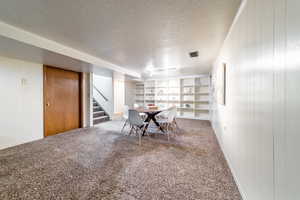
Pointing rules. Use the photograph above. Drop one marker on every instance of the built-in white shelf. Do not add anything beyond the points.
(191, 95)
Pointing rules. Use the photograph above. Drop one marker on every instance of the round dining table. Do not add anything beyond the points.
(151, 113)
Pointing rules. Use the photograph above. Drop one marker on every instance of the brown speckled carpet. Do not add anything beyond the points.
(101, 163)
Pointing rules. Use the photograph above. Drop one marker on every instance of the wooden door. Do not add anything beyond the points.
(61, 100)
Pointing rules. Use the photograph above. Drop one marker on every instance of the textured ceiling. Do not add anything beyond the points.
(130, 33)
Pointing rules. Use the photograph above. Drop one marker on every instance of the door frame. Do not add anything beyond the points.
(80, 95)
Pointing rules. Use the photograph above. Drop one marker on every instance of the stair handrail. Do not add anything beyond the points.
(105, 98)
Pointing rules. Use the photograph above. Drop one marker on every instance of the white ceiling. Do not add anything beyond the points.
(130, 33)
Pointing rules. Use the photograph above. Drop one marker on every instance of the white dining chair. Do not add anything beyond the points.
(169, 122)
(125, 116)
(164, 114)
(175, 122)
(174, 110)
(137, 123)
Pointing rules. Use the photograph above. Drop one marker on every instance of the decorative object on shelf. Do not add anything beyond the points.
(187, 105)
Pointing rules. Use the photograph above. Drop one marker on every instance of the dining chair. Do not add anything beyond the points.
(143, 115)
(125, 116)
(175, 122)
(137, 123)
(164, 114)
(174, 110)
(168, 123)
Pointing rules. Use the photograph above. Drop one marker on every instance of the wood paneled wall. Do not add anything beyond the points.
(259, 126)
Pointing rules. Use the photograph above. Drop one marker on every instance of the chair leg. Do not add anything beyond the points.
(140, 132)
(124, 125)
(131, 129)
(134, 129)
(174, 129)
(144, 129)
(176, 126)
(168, 131)
(140, 138)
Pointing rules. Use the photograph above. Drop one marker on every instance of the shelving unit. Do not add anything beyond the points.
(149, 92)
(140, 94)
(191, 95)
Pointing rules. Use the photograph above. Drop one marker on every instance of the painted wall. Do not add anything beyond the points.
(103, 80)
(129, 93)
(87, 99)
(258, 128)
(119, 92)
(21, 102)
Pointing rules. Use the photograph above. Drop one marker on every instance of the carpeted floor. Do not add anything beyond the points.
(101, 163)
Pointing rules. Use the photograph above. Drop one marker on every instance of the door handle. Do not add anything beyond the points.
(47, 104)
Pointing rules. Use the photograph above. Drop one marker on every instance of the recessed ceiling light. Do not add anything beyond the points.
(157, 70)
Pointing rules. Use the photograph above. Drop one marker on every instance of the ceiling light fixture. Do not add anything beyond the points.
(159, 70)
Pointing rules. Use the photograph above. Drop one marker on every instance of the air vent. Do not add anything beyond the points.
(194, 54)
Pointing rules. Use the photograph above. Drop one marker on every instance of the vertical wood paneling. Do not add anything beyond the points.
(262, 141)
(292, 101)
(279, 97)
(245, 124)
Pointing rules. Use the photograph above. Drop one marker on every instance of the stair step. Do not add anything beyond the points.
(97, 108)
(102, 117)
(98, 114)
(98, 120)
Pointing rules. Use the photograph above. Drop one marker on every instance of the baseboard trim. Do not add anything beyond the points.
(230, 165)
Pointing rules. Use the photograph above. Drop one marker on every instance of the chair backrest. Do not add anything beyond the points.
(174, 108)
(125, 113)
(163, 114)
(134, 118)
(172, 112)
(166, 112)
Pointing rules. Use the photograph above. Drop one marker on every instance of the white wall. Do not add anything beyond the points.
(259, 127)
(104, 82)
(288, 163)
(21, 102)
(129, 93)
(87, 99)
(119, 92)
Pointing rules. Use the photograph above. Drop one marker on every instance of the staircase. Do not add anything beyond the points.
(99, 115)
